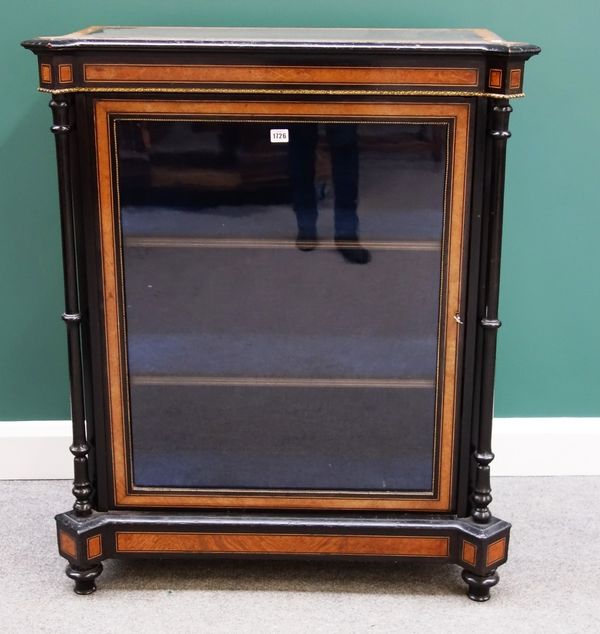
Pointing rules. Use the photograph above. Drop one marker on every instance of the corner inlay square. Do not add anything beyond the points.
(46, 73)
(65, 73)
(469, 553)
(67, 544)
(496, 551)
(515, 78)
(495, 79)
(94, 546)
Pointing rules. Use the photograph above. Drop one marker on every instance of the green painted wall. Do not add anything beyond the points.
(549, 347)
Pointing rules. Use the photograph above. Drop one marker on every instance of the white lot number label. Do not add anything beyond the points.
(280, 136)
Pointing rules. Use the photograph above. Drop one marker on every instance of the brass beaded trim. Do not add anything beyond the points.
(285, 91)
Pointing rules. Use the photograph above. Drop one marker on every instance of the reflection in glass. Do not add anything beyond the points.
(343, 149)
(254, 364)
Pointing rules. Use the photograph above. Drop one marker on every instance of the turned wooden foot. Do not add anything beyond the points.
(84, 578)
(479, 586)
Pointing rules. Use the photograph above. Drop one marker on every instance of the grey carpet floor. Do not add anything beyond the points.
(550, 583)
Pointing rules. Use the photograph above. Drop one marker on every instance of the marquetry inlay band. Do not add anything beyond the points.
(282, 544)
(496, 551)
(195, 73)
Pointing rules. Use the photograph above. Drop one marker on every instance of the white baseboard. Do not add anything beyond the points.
(39, 450)
(546, 446)
(35, 450)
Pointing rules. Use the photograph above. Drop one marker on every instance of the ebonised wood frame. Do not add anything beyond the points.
(465, 82)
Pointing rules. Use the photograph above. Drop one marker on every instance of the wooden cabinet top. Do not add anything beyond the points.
(409, 40)
(389, 62)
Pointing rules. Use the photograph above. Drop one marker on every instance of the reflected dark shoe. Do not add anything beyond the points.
(352, 251)
(307, 240)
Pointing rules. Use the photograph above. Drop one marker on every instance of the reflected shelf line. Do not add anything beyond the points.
(218, 243)
(165, 380)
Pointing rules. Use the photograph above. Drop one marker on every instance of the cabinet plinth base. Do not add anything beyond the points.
(86, 541)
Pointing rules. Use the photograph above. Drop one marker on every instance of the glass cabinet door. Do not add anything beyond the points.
(285, 292)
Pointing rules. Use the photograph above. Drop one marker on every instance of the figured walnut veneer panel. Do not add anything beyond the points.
(161, 73)
(496, 552)
(125, 493)
(67, 544)
(384, 545)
